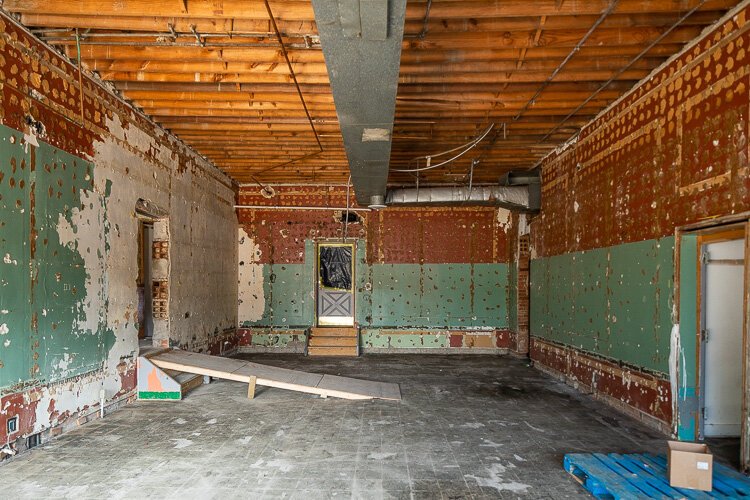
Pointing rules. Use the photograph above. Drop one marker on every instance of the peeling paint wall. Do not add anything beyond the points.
(674, 151)
(251, 295)
(69, 238)
(424, 277)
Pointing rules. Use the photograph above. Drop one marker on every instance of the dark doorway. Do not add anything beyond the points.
(145, 311)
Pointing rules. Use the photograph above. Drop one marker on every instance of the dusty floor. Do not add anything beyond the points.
(468, 427)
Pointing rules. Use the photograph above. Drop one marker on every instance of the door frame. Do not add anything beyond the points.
(685, 357)
(161, 272)
(316, 282)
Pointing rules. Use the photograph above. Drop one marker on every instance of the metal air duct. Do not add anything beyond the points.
(532, 179)
(515, 197)
(361, 42)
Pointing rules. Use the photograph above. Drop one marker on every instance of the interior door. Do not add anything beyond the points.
(335, 284)
(722, 338)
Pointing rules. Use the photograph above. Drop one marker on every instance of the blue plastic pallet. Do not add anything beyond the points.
(617, 476)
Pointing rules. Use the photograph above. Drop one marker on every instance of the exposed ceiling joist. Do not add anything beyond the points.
(464, 65)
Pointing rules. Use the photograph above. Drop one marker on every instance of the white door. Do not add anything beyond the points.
(722, 303)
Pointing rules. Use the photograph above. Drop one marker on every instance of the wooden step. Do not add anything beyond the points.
(187, 381)
(191, 384)
(332, 351)
(319, 341)
(333, 332)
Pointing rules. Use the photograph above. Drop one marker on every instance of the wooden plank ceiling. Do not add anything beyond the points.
(213, 72)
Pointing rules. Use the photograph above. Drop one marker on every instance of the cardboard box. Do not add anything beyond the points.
(690, 465)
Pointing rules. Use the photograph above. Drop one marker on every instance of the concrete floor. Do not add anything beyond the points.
(468, 427)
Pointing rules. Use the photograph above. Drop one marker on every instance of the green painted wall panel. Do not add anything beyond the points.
(614, 301)
(395, 295)
(381, 339)
(15, 315)
(71, 342)
(556, 295)
(288, 295)
(274, 340)
(447, 296)
(512, 300)
(539, 274)
(641, 286)
(292, 304)
(439, 295)
(588, 328)
(362, 284)
(54, 291)
(490, 303)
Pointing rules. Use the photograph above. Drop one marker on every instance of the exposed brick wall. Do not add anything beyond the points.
(281, 234)
(673, 151)
(437, 235)
(522, 298)
(394, 236)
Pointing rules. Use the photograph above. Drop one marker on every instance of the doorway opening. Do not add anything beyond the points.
(152, 281)
(721, 338)
(335, 284)
(145, 297)
(722, 261)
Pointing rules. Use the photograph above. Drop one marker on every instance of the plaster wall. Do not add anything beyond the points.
(70, 177)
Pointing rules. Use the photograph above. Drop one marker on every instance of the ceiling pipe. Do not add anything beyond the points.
(517, 190)
(573, 52)
(282, 207)
(512, 197)
(532, 182)
(622, 70)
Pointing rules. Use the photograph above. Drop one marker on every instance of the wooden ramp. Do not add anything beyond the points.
(271, 376)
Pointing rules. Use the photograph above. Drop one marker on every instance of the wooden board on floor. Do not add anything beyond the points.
(273, 376)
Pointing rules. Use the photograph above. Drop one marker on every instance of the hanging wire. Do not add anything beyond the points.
(465, 149)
